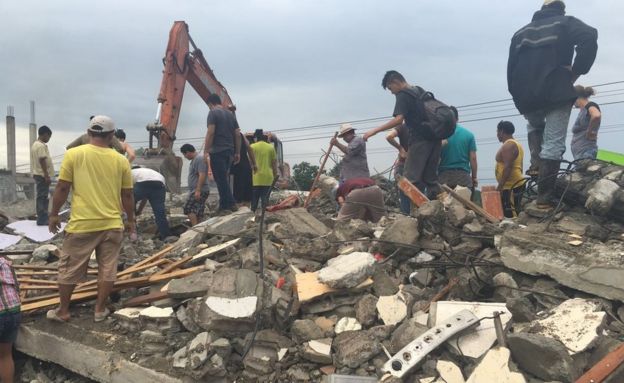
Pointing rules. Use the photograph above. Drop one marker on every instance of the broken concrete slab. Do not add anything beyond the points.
(404, 230)
(602, 196)
(318, 351)
(449, 372)
(366, 310)
(299, 223)
(495, 368)
(480, 340)
(347, 324)
(306, 329)
(128, 318)
(233, 308)
(230, 224)
(347, 270)
(544, 357)
(309, 287)
(595, 268)
(227, 247)
(102, 364)
(406, 332)
(159, 319)
(195, 285)
(392, 309)
(575, 323)
(354, 348)
(44, 252)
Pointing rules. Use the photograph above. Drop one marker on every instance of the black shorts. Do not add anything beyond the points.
(9, 324)
(194, 206)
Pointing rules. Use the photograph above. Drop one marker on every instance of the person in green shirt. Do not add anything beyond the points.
(264, 169)
(458, 159)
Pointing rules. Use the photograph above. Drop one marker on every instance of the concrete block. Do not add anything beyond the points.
(212, 251)
(546, 358)
(495, 368)
(128, 318)
(354, 348)
(403, 230)
(575, 323)
(159, 319)
(392, 309)
(305, 329)
(365, 310)
(480, 340)
(347, 271)
(602, 196)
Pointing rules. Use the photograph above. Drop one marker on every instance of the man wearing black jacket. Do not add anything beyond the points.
(541, 72)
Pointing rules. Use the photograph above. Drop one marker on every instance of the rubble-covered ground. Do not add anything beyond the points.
(334, 297)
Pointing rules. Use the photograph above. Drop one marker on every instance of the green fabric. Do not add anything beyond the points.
(606, 155)
(265, 155)
(456, 154)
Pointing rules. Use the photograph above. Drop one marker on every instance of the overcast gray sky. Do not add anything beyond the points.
(286, 64)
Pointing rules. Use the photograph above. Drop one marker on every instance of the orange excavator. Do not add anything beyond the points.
(182, 65)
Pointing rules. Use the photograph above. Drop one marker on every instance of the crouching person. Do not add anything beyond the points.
(360, 198)
(9, 319)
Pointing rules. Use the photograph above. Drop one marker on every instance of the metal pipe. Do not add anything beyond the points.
(500, 333)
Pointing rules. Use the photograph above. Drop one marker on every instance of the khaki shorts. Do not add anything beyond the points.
(77, 248)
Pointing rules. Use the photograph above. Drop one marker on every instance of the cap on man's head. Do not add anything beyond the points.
(345, 128)
(101, 124)
(258, 133)
(549, 2)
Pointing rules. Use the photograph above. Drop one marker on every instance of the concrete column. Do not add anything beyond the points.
(10, 126)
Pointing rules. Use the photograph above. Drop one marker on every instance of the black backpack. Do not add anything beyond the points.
(438, 120)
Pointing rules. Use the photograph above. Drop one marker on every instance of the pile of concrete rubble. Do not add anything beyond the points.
(439, 296)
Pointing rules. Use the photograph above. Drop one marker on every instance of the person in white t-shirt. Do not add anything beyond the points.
(149, 185)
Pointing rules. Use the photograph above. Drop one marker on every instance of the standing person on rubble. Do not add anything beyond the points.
(354, 164)
(541, 72)
(585, 130)
(402, 134)
(127, 148)
(149, 185)
(423, 155)
(511, 183)
(458, 158)
(84, 139)
(265, 169)
(42, 171)
(360, 198)
(222, 146)
(10, 318)
(99, 178)
(198, 186)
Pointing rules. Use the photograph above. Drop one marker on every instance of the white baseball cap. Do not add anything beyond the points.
(101, 124)
(548, 2)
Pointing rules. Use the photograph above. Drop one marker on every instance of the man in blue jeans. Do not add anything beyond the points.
(222, 146)
(541, 72)
(149, 185)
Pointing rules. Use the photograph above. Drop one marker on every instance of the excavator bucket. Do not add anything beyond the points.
(166, 163)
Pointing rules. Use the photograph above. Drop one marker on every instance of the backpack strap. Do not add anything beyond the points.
(419, 95)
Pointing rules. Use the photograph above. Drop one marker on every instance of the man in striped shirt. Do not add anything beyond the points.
(9, 319)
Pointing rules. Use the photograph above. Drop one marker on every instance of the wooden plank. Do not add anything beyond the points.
(492, 203)
(34, 267)
(320, 171)
(124, 273)
(145, 299)
(174, 265)
(309, 287)
(470, 205)
(412, 192)
(39, 287)
(54, 273)
(150, 259)
(36, 281)
(601, 371)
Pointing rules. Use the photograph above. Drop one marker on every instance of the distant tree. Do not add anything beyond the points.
(303, 175)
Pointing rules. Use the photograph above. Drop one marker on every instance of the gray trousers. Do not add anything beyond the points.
(42, 200)
(547, 130)
(421, 166)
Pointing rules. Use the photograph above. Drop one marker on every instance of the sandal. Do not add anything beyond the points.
(53, 316)
(99, 317)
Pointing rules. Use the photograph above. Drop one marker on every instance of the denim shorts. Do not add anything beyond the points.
(9, 324)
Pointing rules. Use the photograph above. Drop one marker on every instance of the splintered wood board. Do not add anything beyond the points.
(309, 287)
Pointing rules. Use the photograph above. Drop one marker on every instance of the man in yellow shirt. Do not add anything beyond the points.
(99, 178)
(264, 169)
(42, 171)
(511, 182)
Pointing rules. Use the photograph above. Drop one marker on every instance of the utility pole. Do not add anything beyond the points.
(32, 127)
